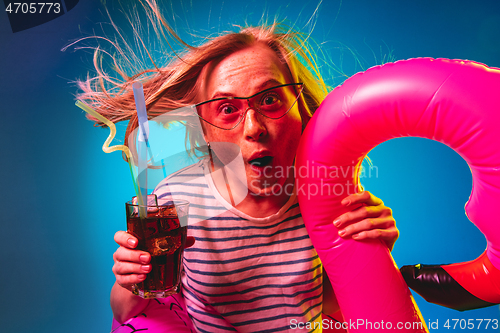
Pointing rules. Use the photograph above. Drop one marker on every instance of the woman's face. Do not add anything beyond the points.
(268, 145)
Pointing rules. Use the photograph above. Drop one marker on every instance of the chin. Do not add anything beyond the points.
(261, 192)
(275, 189)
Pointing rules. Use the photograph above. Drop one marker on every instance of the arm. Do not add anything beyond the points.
(370, 221)
(330, 303)
(131, 267)
(124, 304)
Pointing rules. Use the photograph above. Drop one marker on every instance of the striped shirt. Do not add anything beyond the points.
(244, 274)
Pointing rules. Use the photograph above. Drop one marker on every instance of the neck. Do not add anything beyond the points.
(231, 183)
(262, 206)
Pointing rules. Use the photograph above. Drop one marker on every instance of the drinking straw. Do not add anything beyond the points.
(105, 147)
(143, 144)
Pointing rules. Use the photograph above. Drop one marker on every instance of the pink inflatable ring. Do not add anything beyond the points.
(451, 101)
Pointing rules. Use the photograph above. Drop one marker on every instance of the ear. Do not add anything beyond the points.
(204, 132)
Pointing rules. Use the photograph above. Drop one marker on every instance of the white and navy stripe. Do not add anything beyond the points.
(244, 274)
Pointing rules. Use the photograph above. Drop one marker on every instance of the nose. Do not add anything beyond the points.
(253, 124)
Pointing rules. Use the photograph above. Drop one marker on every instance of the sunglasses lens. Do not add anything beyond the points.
(227, 113)
(223, 113)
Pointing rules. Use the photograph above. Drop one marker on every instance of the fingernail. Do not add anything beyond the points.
(145, 268)
(341, 233)
(355, 236)
(141, 277)
(144, 258)
(336, 222)
(346, 202)
(131, 242)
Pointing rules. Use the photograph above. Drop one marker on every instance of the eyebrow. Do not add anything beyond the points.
(266, 84)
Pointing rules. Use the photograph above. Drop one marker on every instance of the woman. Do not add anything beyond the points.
(254, 268)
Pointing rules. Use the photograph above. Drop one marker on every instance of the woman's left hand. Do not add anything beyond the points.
(373, 220)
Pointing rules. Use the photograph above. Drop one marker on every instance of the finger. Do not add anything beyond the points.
(135, 256)
(389, 236)
(358, 214)
(125, 239)
(127, 281)
(189, 241)
(382, 223)
(383, 234)
(363, 197)
(127, 268)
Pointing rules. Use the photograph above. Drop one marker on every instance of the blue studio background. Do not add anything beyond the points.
(63, 199)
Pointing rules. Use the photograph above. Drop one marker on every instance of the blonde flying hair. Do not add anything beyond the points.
(177, 84)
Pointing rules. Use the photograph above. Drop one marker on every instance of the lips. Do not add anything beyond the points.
(261, 161)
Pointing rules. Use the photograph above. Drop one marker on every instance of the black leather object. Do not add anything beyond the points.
(436, 286)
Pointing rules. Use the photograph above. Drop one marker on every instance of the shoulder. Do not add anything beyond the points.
(184, 177)
(188, 184)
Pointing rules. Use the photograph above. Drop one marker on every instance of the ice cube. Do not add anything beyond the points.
(167, 211)
(164, 246)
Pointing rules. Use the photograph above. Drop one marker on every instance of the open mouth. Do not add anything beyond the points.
(262, 161)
